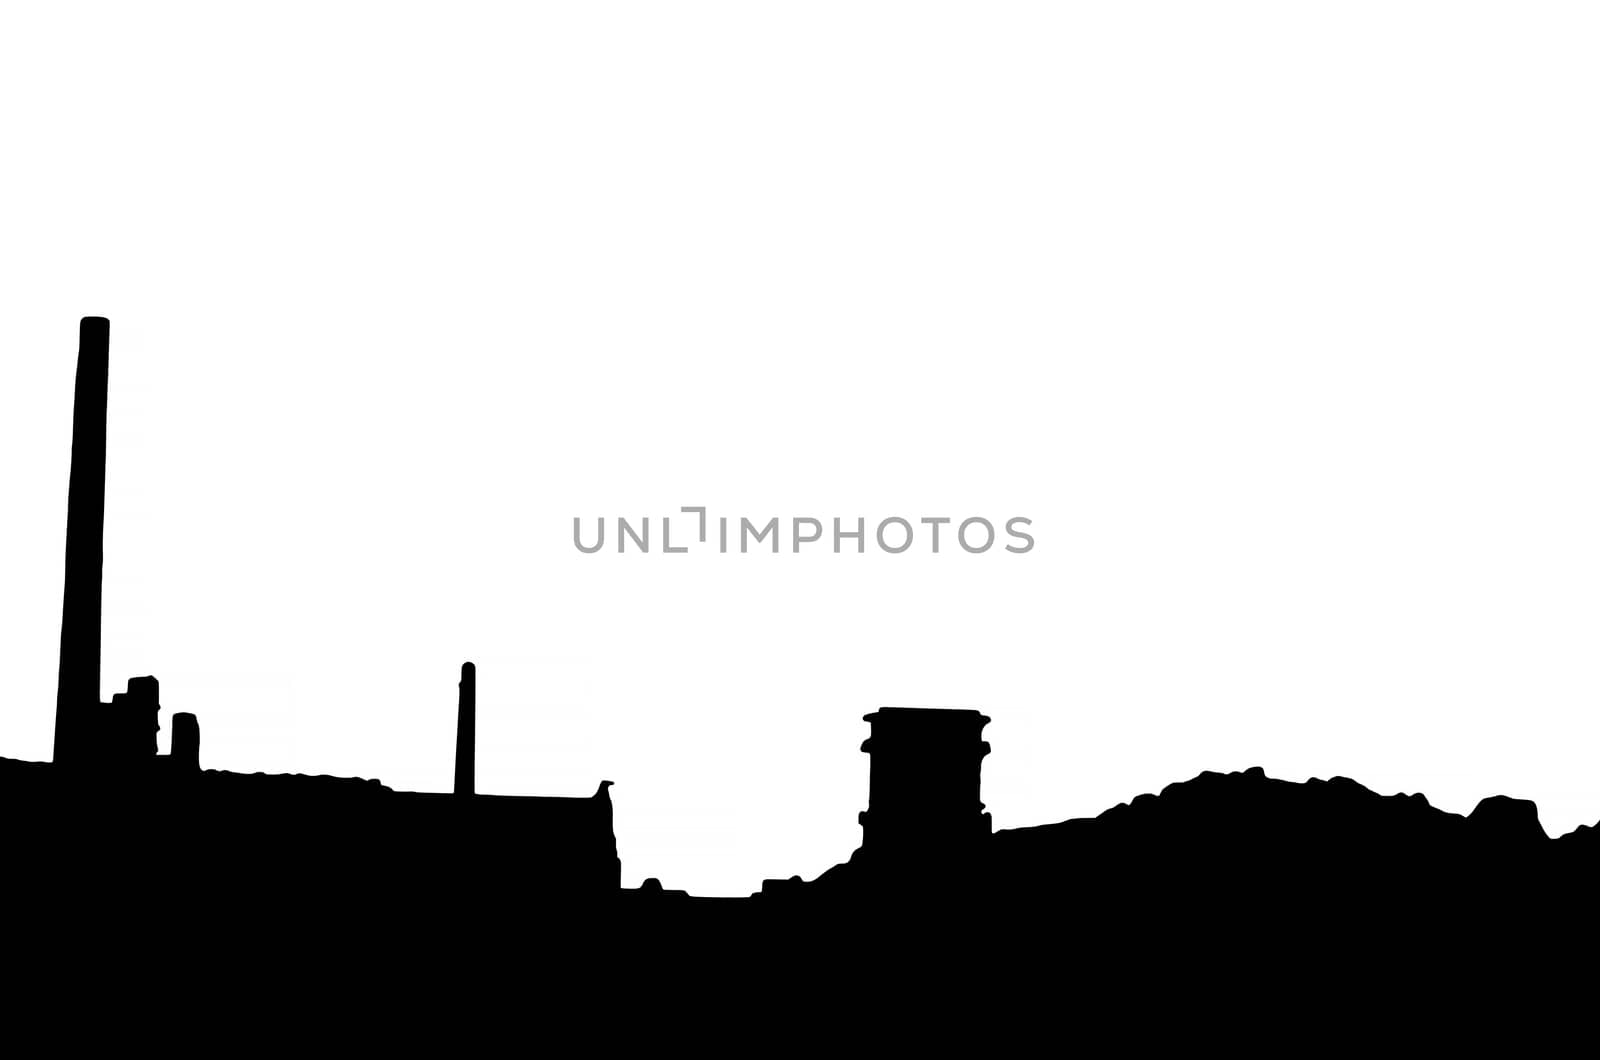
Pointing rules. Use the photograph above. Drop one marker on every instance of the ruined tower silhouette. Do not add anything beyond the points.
(925, 785)
(78, 681)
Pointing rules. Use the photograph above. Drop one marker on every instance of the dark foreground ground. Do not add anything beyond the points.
(1230, 911)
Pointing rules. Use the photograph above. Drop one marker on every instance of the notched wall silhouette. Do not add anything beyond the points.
(1255, 873)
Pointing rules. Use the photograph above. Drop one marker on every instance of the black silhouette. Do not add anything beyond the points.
(467, 731)
(925, 783)
(78, 684)
(1224, 908)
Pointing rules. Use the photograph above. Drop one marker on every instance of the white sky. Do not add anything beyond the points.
(1278, 320)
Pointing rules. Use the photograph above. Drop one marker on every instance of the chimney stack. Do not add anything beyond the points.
(466, 730)
(78, 681)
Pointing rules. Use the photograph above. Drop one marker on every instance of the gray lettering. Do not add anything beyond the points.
(623, 528)
(860, 534)
(935, 521)
(798, 539)
(666, 537)
(961, 534)
(577, 540)
(746, 526)
(1010, 523)
(884, 544)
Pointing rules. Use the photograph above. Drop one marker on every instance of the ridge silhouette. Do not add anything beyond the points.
(1295, 903)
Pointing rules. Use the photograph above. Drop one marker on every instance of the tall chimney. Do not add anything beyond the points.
(78, 682)
(466, 729)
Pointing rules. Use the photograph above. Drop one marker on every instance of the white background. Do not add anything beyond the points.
(1278, 319)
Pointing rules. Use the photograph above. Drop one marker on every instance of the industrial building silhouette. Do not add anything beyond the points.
(925, 782)
(113, 850)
